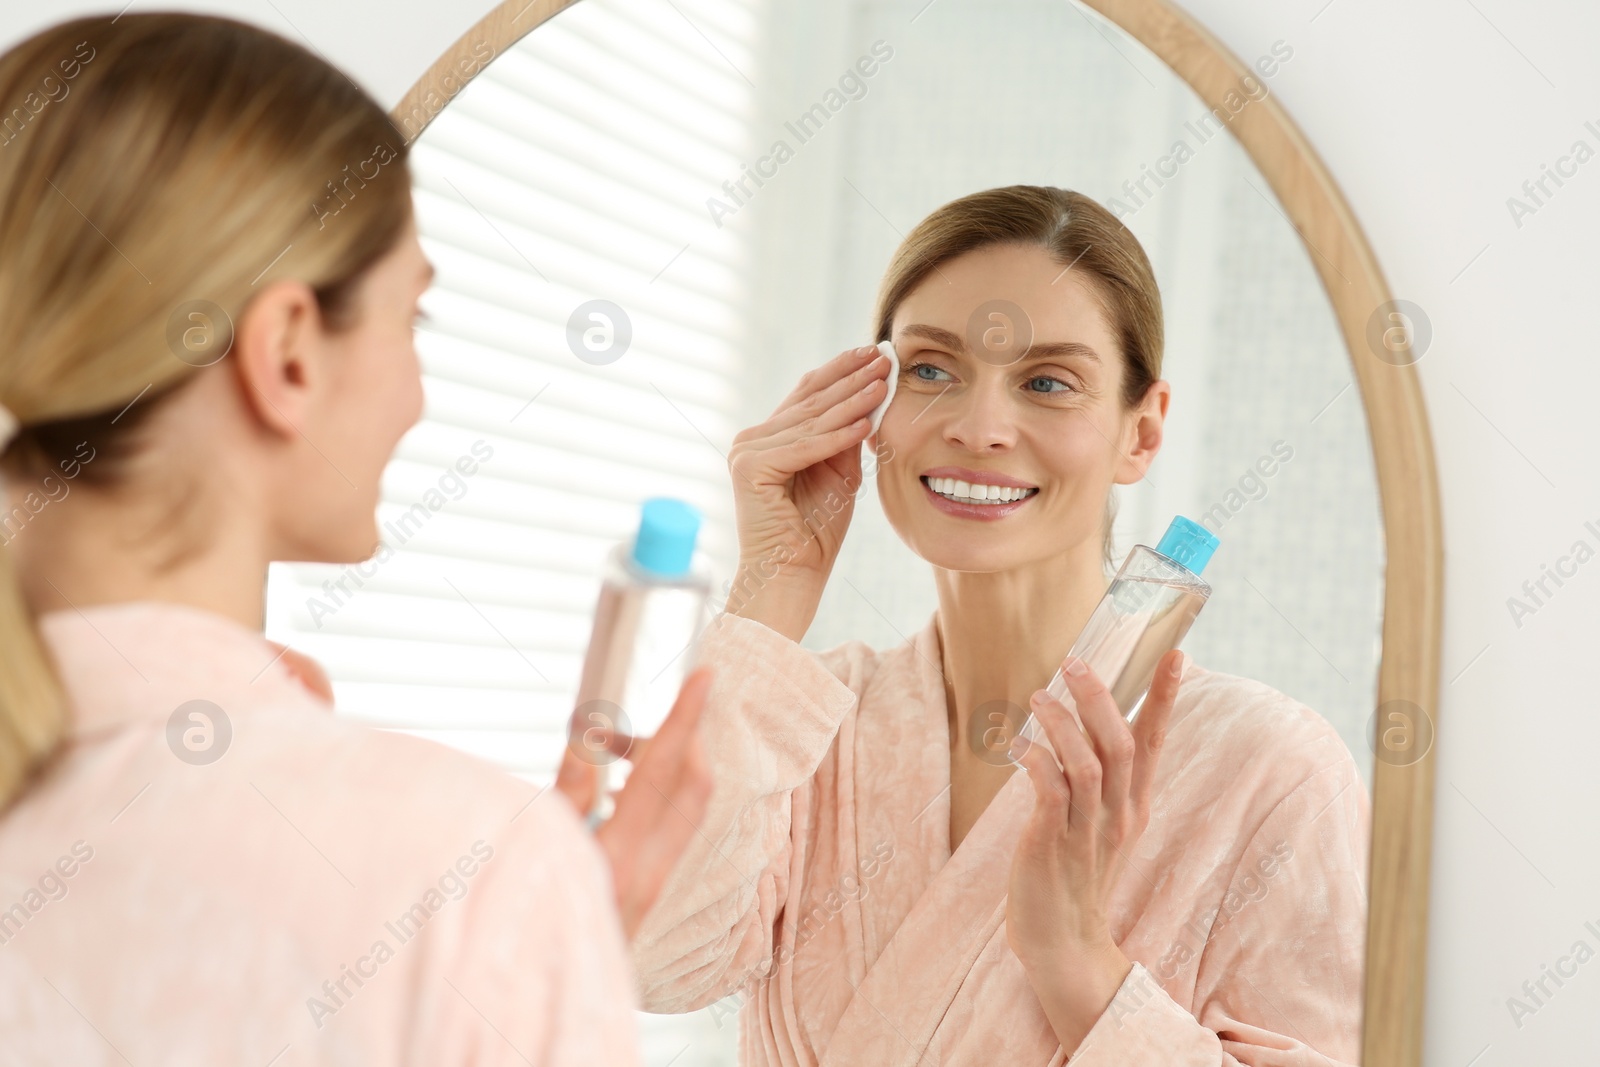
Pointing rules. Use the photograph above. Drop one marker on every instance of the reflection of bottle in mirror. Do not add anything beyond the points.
(1145, 612)
(652, 607)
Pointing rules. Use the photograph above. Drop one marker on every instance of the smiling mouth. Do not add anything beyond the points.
(963, 493)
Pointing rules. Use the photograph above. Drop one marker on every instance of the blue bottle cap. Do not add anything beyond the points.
(665, 542)
(1188, 543)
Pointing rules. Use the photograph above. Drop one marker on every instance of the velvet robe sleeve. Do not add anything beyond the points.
(773, 711)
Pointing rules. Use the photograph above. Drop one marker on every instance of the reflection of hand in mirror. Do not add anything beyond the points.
(1089, 811)
(795, 477)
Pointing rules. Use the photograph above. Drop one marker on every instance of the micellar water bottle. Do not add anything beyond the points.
(1147, 609)
(651, 610)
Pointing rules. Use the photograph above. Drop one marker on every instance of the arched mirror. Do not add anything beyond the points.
(649, 220)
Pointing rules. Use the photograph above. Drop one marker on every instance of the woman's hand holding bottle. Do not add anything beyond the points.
(795, 477)
(1089, 812)
(658, 809)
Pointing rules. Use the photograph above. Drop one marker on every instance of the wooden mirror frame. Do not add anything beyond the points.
(1402, 448)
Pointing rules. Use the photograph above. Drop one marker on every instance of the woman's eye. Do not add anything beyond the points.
(916, 369)
(1053, 381)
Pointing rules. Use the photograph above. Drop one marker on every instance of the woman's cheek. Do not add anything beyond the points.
(388, 386)
(400, 370)
(1086, 447)
(414, 391)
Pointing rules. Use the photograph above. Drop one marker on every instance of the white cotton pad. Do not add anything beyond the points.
(894, 378)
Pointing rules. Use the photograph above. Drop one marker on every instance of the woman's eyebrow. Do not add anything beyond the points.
(1038, 350)
(938, 336)
(1058, 349)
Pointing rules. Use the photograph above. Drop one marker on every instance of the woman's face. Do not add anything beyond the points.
(977, 403)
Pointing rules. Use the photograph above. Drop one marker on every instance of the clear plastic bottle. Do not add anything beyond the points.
(1149, 606)
(652, 607)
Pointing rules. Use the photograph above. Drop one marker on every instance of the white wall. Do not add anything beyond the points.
(1430, 114)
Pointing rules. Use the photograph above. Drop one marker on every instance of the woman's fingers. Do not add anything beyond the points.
(842, 375)
(840, 405)
(1108, 733)
(578, 781)
(822, 377)
(588, 748)
(692, 793)
(823, 412)
(1079, 763)
(776, 457)
(659, 808)
(806, 454)
(634, 747)
(659, 763)
(662, 760)
(656, 849)
(796, 454)
(1150, 728)
(307, 670)
(1049, 786)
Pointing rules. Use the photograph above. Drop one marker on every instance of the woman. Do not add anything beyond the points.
(199, 863)
(873, 881)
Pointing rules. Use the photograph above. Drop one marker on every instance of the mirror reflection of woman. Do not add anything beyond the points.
(871, 883)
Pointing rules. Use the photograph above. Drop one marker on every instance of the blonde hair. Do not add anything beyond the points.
(1076, 231)
(147, 163)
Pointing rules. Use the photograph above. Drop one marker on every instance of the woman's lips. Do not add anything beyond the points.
(982, 512)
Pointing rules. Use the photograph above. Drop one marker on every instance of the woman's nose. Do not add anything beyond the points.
(980, 417)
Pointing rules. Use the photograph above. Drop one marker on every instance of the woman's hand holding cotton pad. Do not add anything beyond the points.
(894, 377)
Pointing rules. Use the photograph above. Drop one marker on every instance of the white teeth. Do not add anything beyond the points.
(970, 493)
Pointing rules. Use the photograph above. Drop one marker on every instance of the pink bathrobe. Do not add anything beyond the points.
(323, 893)
(823, 896)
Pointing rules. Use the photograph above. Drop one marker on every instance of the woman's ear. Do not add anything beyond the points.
(1143, 437)
(276, 345)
